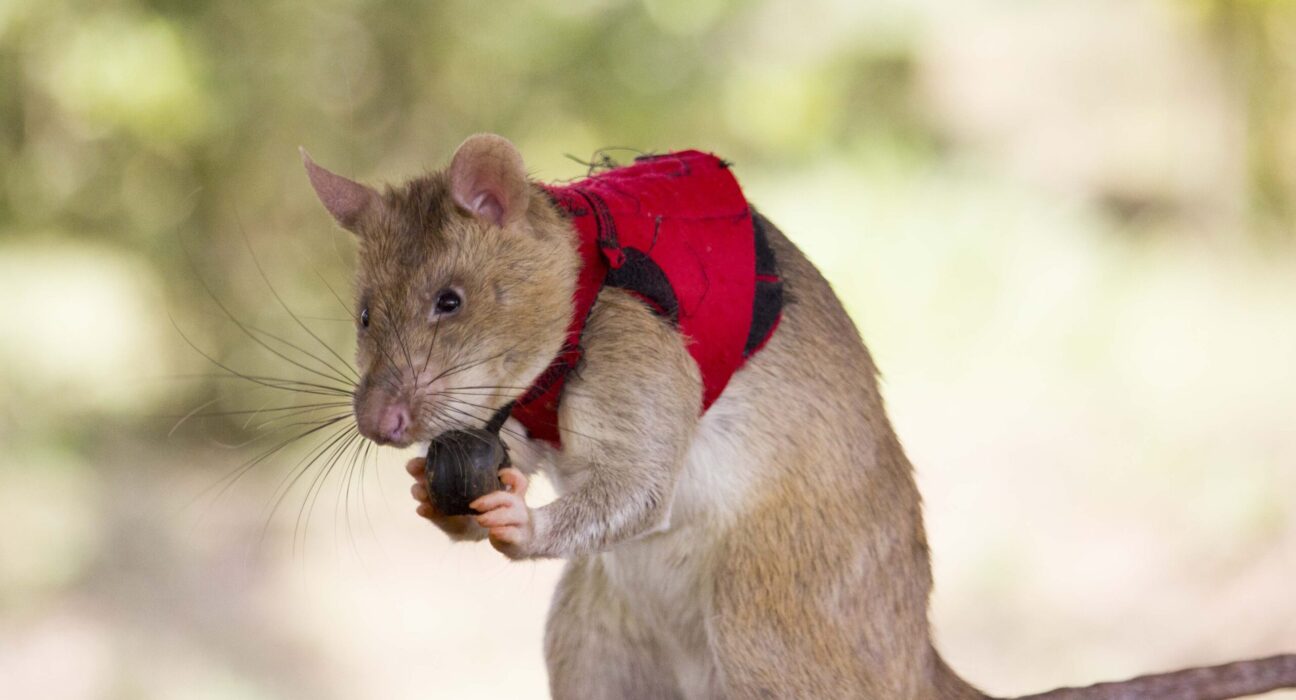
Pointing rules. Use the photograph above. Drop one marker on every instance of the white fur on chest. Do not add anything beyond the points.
(666, 575)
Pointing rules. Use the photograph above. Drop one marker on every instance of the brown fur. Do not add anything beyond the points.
(773, 548)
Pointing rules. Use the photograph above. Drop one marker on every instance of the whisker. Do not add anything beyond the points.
(346, 462)
(331, 447)
(307, 419)
(317, 484)
(300, 468)
(278, 382)
(484, 395)
(189, 415)
(320, 389)
(436, 330)
(348, 479)
(489, 387)
(243, 327)
(348, 377)
(274, 409)
(330, 456)
(266, 278)
(360, 458)
(465, 366)
(227, 481)
(554, 425)
(400, 339)
(346, 380)
(284, 426)
(337, 296)
(378, 475)
(506, 429)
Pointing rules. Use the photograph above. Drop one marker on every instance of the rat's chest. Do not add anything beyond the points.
(666, 576)
(667, 572)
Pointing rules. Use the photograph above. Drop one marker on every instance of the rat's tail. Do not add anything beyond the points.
(1235, 680)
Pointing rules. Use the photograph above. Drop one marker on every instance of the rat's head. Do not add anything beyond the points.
(464, 290)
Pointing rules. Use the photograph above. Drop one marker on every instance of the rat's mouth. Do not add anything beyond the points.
(398, 444)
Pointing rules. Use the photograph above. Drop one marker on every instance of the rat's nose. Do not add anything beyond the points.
(393, 421)
(388, 424)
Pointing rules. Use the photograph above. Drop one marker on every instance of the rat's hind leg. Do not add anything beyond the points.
(594, 648)
(806, 607)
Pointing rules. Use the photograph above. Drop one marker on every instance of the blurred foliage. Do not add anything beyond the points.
(137, 130)
(128, 127)
(1022, 201)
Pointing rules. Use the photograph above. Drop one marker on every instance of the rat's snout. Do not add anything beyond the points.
(385, 420)
(394, 422)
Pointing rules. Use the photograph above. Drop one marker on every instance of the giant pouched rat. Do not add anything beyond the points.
(768, 546)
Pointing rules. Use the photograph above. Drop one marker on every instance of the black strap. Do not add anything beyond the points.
(497, 421)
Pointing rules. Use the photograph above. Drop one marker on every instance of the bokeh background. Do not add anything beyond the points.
(1067, 230)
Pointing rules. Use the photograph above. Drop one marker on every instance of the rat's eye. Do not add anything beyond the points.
(364, 317)
(448, 302)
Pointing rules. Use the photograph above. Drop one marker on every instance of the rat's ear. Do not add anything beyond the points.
(345, 199)
(488, 179)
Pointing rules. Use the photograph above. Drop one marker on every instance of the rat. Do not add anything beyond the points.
(734, 526)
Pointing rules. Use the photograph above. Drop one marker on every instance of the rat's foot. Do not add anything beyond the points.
(459, 527)
(505, 515)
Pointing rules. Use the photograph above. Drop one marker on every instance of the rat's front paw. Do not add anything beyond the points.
(506, 517)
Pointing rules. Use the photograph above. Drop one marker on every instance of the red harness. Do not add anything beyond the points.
(676, 231)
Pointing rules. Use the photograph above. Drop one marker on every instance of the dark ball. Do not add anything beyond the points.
(462, 466)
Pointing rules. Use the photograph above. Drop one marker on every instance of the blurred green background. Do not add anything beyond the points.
(1067, 230)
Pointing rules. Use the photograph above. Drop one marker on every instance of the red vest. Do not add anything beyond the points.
(676, 231)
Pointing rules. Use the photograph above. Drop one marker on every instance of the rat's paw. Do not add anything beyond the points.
(459, 527)
(505, 515)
